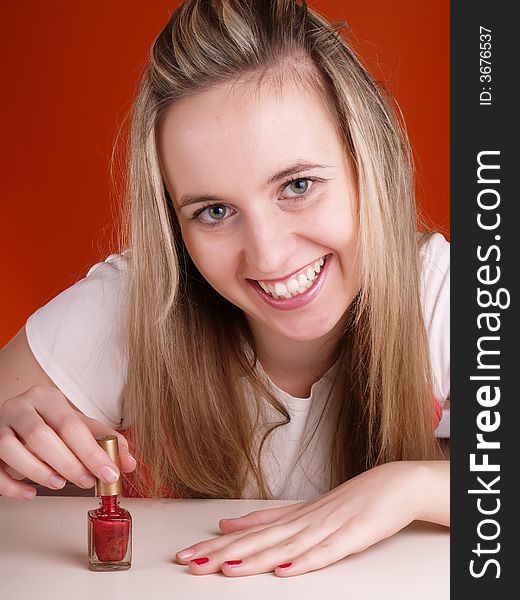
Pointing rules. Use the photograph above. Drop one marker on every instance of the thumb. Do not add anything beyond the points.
(98, 429)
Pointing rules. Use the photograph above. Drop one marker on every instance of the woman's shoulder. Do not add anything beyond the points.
(434, 251)
(101, 292)
(434, 256)
(98, 291)
(435, 294)
(114, 264)
(79, 339)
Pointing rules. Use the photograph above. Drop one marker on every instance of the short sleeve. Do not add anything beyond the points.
(78, 339)
(435, 290)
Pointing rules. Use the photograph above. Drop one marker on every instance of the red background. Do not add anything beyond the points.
(69, 74)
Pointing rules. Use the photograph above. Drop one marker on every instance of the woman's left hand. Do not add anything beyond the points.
(306, 536)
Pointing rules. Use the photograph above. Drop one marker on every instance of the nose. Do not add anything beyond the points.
(269, 246)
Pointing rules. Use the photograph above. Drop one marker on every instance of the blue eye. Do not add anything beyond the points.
(297, 187)
(217, 212)
(215, 215)
(212, 215)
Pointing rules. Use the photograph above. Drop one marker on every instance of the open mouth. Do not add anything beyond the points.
(298, 283)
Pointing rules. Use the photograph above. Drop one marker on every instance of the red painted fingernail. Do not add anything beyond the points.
(232, 563)
(284, 566)
(200, 561)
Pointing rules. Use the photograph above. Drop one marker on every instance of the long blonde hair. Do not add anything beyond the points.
(188, 373)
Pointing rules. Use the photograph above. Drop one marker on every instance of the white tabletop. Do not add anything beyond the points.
(43, 554)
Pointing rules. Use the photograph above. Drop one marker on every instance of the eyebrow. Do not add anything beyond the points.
(296, 167)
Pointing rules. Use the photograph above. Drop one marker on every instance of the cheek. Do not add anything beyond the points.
(337, 227)
(345, 226)
(215, 262)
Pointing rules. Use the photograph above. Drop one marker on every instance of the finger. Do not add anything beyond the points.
(257, 517)
(39, 427)
(127, 461)
(214, 544)
(16, 455)
(204, 547)
(50, 449)
(239, 548)
(78, 437)
(64, 419)
(11, 472)
(267, 560)
(334, 547)
(14, 489)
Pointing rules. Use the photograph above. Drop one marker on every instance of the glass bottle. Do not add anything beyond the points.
(109, 526)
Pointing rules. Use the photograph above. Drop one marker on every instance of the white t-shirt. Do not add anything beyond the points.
(78, 340)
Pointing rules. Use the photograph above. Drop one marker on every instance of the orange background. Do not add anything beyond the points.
(69, 74)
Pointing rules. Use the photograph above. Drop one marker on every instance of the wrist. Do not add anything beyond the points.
(431, 480)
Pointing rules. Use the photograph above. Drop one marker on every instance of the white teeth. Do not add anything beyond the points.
(294, 285)
(280, 289)
(302, 279)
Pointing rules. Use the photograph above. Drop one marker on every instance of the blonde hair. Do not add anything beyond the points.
(188, 373)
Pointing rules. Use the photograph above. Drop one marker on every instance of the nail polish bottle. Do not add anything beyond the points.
(109, 526)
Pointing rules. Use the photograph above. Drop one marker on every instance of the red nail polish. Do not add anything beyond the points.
(232, 563)
(284, 566)
(109, 526)
(200, 561)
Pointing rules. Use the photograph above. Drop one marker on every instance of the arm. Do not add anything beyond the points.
(19, 370)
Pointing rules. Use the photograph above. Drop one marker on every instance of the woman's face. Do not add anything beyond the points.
(266, 201)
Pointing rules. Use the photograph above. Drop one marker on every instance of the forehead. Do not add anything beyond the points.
(238, 131)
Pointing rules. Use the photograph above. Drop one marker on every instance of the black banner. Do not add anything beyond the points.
(485, 234)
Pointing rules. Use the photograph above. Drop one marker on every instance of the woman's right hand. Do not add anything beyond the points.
(43, 438)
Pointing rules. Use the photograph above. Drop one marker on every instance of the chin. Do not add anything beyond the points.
(305, 337)
(308, 333)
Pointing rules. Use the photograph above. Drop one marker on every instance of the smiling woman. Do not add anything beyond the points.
(274, 324)
(245, 223)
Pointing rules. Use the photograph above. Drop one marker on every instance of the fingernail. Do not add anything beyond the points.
(29, 494)
(285, 566)
(200, 561)
(57, 482)
(109, 474)
(232, 563)
(87, 481)
(185, 553)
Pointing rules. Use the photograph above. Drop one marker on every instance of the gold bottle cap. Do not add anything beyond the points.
(109, 444)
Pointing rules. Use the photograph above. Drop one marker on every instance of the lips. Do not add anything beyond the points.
(294, 273)
(301, 296)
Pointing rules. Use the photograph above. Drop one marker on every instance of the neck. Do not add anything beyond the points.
(295, 365)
